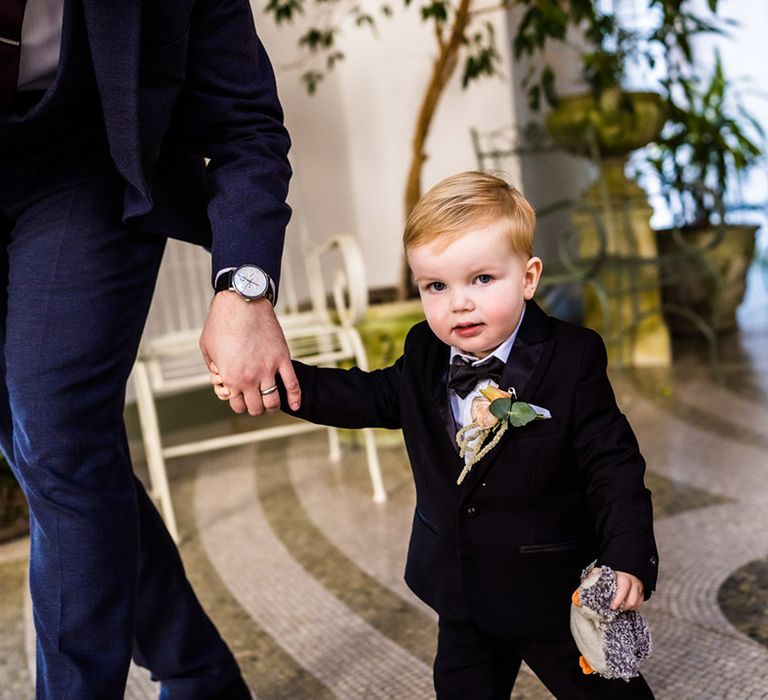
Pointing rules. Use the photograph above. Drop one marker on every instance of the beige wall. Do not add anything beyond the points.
(352, 140)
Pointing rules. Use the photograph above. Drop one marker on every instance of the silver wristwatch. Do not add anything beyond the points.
(249, 281)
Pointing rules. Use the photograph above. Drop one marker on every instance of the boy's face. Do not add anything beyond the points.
(474, 291)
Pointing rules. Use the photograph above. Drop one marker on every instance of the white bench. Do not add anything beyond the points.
(169, 360)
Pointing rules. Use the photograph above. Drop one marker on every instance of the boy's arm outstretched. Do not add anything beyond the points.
(343, 398)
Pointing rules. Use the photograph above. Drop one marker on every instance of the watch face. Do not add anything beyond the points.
(250, 281)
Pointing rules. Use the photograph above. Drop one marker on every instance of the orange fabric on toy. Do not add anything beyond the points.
(586, 669)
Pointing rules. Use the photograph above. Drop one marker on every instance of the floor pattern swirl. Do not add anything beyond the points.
(302, 573)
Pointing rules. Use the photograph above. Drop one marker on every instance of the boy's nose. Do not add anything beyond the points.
(461, 300)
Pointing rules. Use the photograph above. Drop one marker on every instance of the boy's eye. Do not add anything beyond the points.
(484, 279)
(436, 286)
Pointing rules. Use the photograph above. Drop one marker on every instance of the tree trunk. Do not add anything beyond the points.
(443, 69)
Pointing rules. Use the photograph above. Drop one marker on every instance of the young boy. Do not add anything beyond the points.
(499, 555)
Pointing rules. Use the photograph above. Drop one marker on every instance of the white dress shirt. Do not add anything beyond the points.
(40, 43)
(461, 407)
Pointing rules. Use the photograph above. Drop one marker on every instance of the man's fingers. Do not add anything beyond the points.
(237, 403)
(292, 388)
(254, 402)
(270, 397)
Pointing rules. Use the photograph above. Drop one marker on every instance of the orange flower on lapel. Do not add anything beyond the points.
(494, 412)
(480, 413)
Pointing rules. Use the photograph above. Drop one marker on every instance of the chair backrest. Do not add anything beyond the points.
(183, 291)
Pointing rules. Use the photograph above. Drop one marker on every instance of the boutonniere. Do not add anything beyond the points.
(493, 412)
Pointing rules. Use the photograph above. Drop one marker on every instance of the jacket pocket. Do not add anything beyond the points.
(552, 546)
(426, 523)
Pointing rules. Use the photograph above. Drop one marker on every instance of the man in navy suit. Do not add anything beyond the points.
(107, 113)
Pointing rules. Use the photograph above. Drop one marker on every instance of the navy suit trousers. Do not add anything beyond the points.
(107, 582)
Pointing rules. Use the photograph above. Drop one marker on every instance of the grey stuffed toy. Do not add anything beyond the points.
(613, 643)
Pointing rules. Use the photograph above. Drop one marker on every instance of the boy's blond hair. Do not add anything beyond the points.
(466, 201)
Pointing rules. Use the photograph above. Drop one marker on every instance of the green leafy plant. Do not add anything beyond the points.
(461, 38)
(709, 142)
(709, 139)
(607, 44)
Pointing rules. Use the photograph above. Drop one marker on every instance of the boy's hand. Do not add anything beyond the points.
(222, 391)
(629, 592)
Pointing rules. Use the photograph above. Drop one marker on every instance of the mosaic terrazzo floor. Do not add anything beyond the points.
(303, 573)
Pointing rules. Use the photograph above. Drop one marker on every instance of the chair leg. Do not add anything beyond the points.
(334, 452)
(153, 448)
(374, 468)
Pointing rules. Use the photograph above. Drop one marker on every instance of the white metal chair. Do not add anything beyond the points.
(169, 360)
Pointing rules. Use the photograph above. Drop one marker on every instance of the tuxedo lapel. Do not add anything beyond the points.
(114, 37)
(524, 364)
(438, 376)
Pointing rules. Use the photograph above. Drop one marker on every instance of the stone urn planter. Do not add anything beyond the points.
(725, 255)
(14, 516)
(606, 131)
(620, 122)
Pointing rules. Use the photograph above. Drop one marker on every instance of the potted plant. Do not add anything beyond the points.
(708, 144)
(606, 121)
(701, 138)
(14, 516)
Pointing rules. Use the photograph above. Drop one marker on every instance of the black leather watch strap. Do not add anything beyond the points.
(224, 280)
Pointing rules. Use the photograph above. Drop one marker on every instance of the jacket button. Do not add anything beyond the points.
(653, 560)
(471, 510)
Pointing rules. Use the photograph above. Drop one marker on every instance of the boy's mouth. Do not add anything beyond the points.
(467, 329)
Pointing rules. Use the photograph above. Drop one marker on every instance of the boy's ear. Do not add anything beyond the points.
(531, 276)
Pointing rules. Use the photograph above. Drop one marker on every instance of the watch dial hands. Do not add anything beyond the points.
(248, 282)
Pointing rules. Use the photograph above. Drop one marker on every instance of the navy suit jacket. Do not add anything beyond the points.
(507, 547)
(184, 80)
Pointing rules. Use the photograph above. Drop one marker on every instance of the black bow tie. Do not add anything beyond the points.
(463, 376)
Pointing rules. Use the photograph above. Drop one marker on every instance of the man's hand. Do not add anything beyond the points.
(629, 592)
(247, 346)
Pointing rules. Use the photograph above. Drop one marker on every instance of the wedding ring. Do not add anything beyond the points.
(271, 390)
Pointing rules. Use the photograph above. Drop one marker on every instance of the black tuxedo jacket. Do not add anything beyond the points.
(184, 80)
(506, 548)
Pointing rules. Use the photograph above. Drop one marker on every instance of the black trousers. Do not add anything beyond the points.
(473, 665)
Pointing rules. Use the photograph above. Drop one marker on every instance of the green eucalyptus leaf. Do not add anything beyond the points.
(521, 414)
(500, 407)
